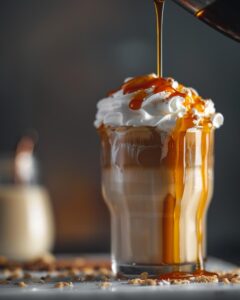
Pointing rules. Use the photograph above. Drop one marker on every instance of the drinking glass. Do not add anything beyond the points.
(157, 186)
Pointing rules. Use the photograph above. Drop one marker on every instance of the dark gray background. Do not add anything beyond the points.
(58, 57)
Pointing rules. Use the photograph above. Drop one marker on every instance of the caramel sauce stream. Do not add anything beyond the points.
(179, 188)
(159, 7)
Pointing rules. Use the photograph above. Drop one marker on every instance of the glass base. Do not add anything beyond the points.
(133, 270)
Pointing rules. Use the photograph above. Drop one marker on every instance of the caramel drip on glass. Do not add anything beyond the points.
(179, 139)
(168, 229)
(173, 203)
(204, 196)
(179, 187)
(159, 7)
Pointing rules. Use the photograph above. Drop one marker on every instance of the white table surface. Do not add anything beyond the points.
(122, 290)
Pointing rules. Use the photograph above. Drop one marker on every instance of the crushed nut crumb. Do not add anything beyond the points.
(235, 280)
(105, 285)
(149, 282)
(135, 281)
(48, 258)
(139, 281)
(144, 275)
(105, 272)
(88, 271)
(230, 277)
(180, 281)
(63, 284)
(206, 279)
(22, 284)
(59, 285)
(236, 271)
(27, 276)
(225, 280)
(73, 272)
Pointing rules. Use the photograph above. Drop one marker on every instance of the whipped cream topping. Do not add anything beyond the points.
(161, 109)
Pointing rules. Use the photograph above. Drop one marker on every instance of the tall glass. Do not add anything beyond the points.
(157, 186)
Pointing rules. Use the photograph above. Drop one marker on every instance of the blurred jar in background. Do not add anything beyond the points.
(26, 218)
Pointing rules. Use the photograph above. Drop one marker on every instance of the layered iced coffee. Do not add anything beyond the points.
(157, 160)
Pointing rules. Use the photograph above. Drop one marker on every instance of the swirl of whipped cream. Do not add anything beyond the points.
(157, 110)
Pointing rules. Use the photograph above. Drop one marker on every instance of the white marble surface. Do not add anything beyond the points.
(121, 290)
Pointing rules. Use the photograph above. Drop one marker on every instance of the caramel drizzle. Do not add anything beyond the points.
(139, 85)
(172, 204)
(179, 188)
(204, 197)
(168, 229)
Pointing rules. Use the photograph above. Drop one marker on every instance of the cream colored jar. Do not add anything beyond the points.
(26, 222)
(26, 217)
